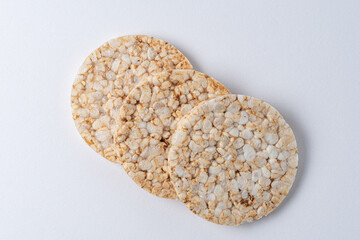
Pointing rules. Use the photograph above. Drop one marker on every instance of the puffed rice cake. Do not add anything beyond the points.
(108, 75)
(232, 159)
(148, 118)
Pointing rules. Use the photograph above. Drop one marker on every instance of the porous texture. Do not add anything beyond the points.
(106, 78)
(148, 119)
(233, 159)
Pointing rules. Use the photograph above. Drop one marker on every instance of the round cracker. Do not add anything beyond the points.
(108, 75)
(233, 159)
(148, 118)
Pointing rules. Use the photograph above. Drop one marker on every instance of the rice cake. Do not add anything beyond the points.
(148, 118)
(108, 75)
(232, 159)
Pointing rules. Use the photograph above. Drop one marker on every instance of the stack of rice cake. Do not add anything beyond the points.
(180, 134)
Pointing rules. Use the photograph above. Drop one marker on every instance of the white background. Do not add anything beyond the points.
(303, 57)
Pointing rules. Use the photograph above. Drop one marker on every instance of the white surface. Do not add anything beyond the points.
(303, 57)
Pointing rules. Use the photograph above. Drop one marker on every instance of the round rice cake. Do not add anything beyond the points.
(108, 75)
(148, 118)
(233, 159)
